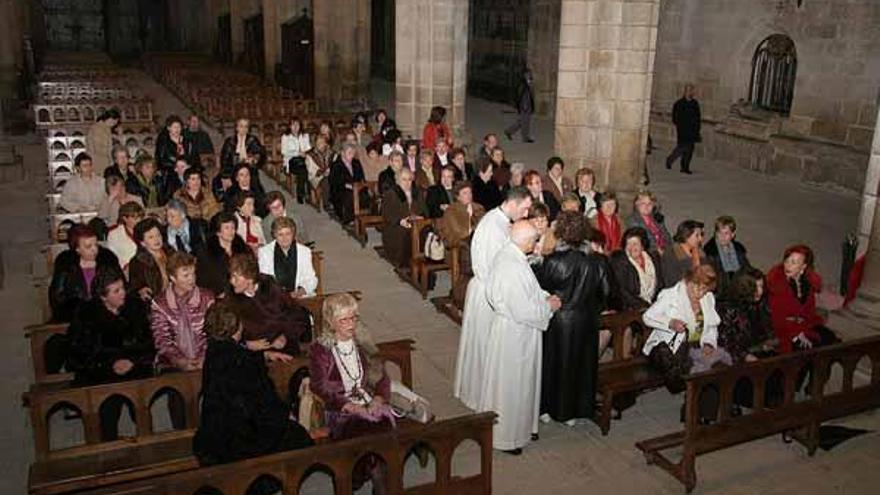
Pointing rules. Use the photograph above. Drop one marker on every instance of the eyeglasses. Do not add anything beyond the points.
(349, 319)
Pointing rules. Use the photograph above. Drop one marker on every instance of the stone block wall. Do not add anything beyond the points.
(545, 17)
(711, 43)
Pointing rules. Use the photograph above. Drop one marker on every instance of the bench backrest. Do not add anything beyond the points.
(339, 458)
(776, 405)
(43, 400)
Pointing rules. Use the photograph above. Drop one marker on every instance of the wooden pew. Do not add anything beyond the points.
(291, 468)
(446, 304)
(620, 375)
(364, 217)
(420, 267)
(800, 415)
(150, 453)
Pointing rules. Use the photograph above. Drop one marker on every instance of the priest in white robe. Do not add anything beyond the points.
(512, 384)
(490, 236)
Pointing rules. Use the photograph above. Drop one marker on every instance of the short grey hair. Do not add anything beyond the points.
(517, 167)
(176, 204)
(348, 146)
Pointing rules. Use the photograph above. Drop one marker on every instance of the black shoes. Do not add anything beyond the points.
(688, 172)
(517, 451)
(535, 437)
(529, 140)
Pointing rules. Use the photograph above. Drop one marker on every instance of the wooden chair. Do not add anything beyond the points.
(446, 304)
(800, 416)
(421, 268)
(364, 218)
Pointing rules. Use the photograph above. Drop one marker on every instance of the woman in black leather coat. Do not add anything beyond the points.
(571, 342)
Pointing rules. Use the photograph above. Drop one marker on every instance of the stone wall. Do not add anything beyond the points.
(543, 53)
(711, 43)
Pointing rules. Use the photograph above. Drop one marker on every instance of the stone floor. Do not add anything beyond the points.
(565, 460)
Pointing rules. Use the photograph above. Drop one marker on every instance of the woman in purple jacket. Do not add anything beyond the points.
(349, 377)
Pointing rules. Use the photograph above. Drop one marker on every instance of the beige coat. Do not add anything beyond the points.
(99, 145)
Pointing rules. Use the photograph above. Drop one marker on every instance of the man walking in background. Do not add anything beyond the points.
(686, 117)
(525, 106)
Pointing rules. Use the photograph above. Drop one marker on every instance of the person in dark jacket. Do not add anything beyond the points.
(242, 415)
(725, 253)
(388, 177)
(345, 171)
(647, 216)
(534, 183)
(687, 120)
(73, 272)
(110, 340)
(243, 148)
(486, 191)
(146, 183)
(243, 182)
(525, 106)
(212, 260)
(182, 233)
(637, 271)
(146, 272)
(266, 311)
(174, 179)
(172, 145)
(463, 169)
(440, 196)
(199, 140)
(570, 351)
(401, 206)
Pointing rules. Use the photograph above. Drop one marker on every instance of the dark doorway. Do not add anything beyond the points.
(498, 46)
(382, 39)
(223, 47)
(297, 68)
(252, 58)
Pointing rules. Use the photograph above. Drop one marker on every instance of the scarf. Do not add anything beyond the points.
(179, 238)
(285, 267)
(151, 200)
(611, 228)
(647, 276)
(654, 229)
(241, 148)
(319, 158)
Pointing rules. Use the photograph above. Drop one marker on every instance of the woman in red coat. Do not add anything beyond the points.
(436, 130)
(792, 287)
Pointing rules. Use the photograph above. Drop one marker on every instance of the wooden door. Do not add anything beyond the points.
(297, 69)
(223, 47)
(252, 58)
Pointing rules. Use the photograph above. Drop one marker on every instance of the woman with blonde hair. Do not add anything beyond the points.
(350, 379)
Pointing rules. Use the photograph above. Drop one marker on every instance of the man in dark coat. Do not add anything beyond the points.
(199, 140)
(686, 117)
(345, 171)
(525, 106)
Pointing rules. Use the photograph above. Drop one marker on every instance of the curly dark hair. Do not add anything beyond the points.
(742, 287)
(571, 228)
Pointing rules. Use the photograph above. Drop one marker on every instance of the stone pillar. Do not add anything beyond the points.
(431, 62)
(12, 17)
(606, 67)
(342, 49)
(271, 37)
(543, 53)
(862, 316)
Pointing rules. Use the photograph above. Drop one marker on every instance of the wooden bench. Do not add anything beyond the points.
(420, 267)
(620, 375)
(338, 458)
(149, 453)
(801, 415)
(366, 217)
(84, 114)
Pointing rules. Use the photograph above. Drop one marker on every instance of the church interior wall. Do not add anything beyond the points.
(827, 135)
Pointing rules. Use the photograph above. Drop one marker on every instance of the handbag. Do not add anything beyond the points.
(434, 250)
(407, 404)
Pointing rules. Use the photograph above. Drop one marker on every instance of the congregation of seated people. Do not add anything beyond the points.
(214, 284)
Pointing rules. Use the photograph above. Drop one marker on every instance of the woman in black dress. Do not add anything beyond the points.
(570, 360)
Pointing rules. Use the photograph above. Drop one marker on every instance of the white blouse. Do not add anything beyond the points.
(294, 146)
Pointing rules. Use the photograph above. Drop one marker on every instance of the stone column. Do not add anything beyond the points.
(862, 316)
(543, 53)
(431, 48)
(271, 37)
(606, 67)
(342, 49)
